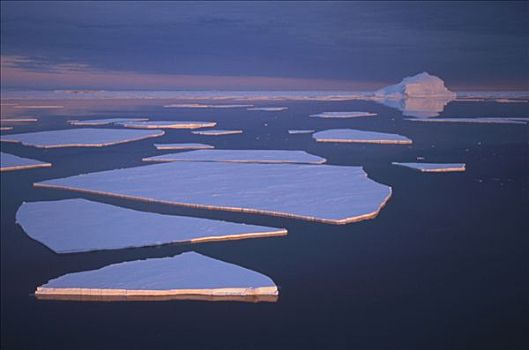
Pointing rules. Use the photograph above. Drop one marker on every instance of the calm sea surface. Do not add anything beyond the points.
(444, 266)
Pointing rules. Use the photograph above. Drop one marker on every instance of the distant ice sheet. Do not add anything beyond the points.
(185, 276)
(217, 132)
(434, 167)
(82, 137)
(9, 162)
(78, 225)
(240, 156)
(95, 122)
(200, 105)
(182, 146)
(340, 115)
(330, 194)
(168, 124)
(359, 136)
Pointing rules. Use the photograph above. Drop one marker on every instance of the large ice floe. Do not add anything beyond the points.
(188, 276)
(82, 137)
(422, 95)
(97, 122)
(10, 162)
(163, 124)
(323, 193)
(217, 132)
(182, 146)
(434, 167)
(359, 136)
(343, 115)
(79, 225)
(240, 156)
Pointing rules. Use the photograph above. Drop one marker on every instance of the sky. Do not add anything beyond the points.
(262, 45)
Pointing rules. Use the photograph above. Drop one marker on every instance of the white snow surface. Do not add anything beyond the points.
(79, 225)
(332, 194)
(185, 271)
(240, 156)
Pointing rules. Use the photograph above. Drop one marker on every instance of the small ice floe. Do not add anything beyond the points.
(478, 120)
(510, 100)
(268, 109)
(9, 162)
(18, 120)
(182, 146)
(38, 107)
(359, 136)
(217, 132)
(200, 105)
(96, 122)
(83, 137)
(78, 225)
(295, 132)
(434, 167)
(323, 193)
(343, 115)
(240, 156)
(188, 276)
(5, 128)
(168, 125)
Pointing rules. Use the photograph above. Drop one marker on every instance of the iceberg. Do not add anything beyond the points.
(82, 137)
(434, 167)
(322, 193)
(359, 136)
(9, 162)
(422, 95)
(340, 115)
(181, 146)
(79, 225)
(240, 156)
(217, 132)
(188, 276)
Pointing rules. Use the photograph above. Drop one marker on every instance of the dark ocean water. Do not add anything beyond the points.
(444, 266)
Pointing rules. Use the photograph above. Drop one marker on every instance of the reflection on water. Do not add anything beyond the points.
(418, 107)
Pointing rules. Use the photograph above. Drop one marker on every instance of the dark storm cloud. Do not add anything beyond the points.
(468, 44)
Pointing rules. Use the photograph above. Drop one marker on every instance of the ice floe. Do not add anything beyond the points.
(359, 136)
(182, 146)
(342, 115)
(83, 137)
(168, 125)
(78, 225)
(434, 167)
(38, 107)
(200, 105)
(268, 109)
(294, 132)
(95, 122)
(478, 120)
(324, 193)
(240, 156)
(189, 276)
(5, 128)
(18, 120)
(9, 162)
(217, 132)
